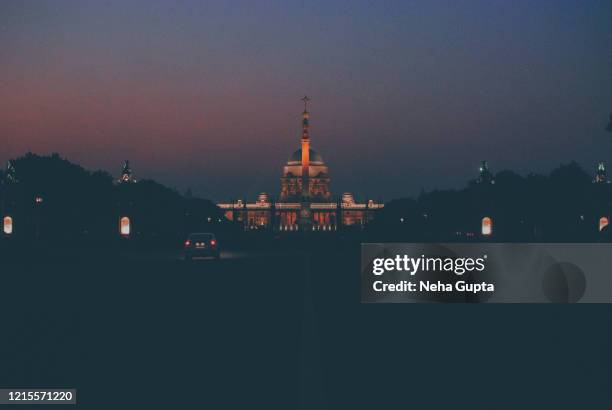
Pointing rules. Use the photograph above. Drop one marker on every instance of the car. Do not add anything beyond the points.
(201, 245)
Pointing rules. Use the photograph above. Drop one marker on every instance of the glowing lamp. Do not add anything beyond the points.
(487, 226)
(7, 225)
(603, 222)
(213, 242)
(124, 226)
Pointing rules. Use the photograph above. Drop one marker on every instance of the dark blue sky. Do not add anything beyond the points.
(405, 95)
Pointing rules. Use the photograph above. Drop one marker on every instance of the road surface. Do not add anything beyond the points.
(280, 330)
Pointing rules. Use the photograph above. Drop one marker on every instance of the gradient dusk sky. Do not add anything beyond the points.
(405, 94)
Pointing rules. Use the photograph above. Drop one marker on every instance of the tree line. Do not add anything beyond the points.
(50, 198)
(565, 206)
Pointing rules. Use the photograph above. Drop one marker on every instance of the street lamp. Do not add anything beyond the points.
(487, 226)
(603, 222)
(124, 226)
(7, 225)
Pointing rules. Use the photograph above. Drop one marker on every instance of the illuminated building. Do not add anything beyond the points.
(600, 175)
(305, 167)
(305, 201)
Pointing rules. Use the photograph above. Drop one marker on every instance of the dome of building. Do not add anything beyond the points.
(314, 156)
(315, 183)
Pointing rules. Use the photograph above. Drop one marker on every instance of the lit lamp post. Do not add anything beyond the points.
(38, 200)
(603, 222)
(486, 228)
(7, 225)
(124, 227)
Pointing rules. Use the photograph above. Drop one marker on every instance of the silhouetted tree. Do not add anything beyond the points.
(53, 199)
(565, 206)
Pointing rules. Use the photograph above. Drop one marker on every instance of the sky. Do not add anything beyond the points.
(406, 95)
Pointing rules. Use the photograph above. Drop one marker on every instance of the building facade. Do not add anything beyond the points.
(305, 201)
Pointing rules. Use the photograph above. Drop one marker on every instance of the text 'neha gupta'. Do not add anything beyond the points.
(405, 263)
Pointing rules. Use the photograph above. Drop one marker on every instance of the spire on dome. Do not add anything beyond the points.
(305, 118)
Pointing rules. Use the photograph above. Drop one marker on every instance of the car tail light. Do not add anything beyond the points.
(213, 242)
(187, 242)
